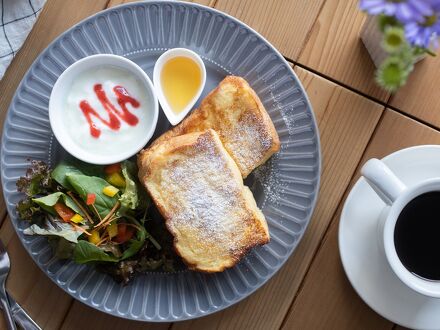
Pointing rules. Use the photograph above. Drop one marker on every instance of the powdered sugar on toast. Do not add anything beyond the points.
(199, 190)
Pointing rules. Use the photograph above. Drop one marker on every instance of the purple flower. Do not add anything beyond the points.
(435, 4)
(424, 33)
(403, 10)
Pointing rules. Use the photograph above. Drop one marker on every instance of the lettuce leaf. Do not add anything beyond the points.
(74, 166)
(129, 199)
(27, 210)
(55, 228)
(83, 185)
(86, 252)
(59, 174)
(135, 244)
(62, 248)
(36, 181)
(47, 202)
(134, 196)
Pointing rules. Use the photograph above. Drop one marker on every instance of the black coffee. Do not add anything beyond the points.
(417, 236)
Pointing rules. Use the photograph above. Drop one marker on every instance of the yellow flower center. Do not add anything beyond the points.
(430, 20)
(394, 40)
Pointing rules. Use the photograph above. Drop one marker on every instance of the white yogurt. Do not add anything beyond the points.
(109, 141)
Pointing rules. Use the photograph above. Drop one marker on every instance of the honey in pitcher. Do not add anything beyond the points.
(180, 78)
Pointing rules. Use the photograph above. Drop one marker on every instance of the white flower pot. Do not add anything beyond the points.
(371, 37)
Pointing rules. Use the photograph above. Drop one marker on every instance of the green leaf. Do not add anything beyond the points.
(59, 174)
(47, 202)
(62, 248)
(84, 185)
(36, 181)
(74, 166)
(135, 244)
(112, 248)
(86, 252)
(28, 210)
(55, 228)
(129, 199)
(70, 203)
(134, 196)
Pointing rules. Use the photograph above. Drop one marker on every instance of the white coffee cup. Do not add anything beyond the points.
(396, 195)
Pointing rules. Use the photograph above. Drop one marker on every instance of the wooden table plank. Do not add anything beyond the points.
(420, 97)
(327, 300)
(40, 297)
(3, 210)
(335, 50)
(326, 288)
(346, 122)
(285, 23)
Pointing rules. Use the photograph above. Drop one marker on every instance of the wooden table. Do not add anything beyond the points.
(357, 120)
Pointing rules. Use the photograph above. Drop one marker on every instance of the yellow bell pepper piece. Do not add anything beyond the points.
(116, 179)
(112, 229)
(110, 191)
(77, 218)
(94, 237)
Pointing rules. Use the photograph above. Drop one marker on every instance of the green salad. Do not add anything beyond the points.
(95, 215)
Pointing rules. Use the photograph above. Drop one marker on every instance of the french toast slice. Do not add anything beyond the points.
(199, 191)
(235, 112)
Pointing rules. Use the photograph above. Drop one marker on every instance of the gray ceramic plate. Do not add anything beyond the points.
(285, 187)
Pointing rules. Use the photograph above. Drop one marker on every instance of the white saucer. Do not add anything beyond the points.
(364, 262)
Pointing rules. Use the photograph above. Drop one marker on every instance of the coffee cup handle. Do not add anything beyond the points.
(383, 181)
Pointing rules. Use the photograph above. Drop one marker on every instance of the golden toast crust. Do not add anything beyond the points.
(236, 113)
(199, 191)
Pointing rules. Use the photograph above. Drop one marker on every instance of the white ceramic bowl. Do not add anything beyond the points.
(174, 118)
(58, 100)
